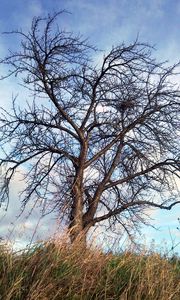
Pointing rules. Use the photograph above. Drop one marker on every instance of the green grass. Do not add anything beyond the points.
(56, 270)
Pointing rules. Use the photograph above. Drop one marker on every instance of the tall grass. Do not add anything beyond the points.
(55, 270)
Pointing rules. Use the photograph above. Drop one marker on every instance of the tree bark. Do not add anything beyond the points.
(76, 220)
(76, 227)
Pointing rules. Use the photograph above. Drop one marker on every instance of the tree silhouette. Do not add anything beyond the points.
(97, 141)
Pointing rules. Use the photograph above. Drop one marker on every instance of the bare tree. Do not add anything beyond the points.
(98, 142)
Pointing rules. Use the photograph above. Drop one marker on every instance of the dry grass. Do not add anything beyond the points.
(56, 270)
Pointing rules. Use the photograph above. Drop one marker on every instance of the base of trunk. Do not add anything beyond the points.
(77, 236)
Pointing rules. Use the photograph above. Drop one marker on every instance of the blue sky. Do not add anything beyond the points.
(105, 23)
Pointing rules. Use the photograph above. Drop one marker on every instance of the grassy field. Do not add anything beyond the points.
(56, 270)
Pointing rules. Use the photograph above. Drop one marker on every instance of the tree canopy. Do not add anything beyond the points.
(97, 141)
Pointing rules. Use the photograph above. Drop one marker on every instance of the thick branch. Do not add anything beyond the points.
(130, 204)
(168, 162)
(48, 125)
(121, 135)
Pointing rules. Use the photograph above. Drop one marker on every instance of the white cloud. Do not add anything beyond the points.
(19, 229)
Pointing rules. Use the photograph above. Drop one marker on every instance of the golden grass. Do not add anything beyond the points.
(55, 270)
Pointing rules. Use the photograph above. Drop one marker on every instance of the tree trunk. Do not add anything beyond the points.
(76, 227)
